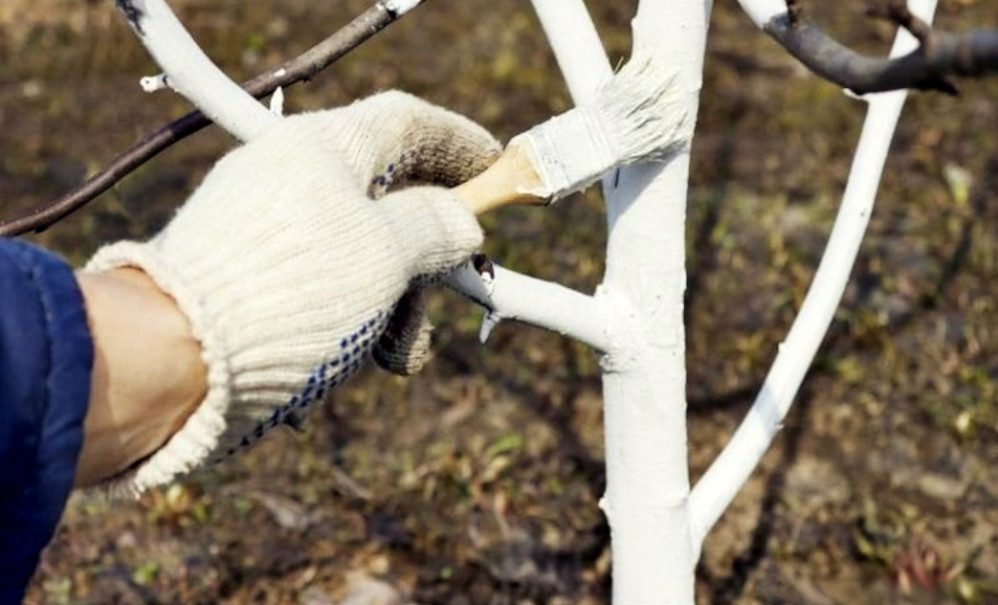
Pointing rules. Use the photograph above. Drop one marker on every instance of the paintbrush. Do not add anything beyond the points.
(639, 114)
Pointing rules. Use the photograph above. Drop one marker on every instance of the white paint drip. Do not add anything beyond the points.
(400, 7)
(277, 102)
(489, 322)
(153, 83)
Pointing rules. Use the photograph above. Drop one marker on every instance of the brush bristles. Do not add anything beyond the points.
(645, 111)
(638, 115)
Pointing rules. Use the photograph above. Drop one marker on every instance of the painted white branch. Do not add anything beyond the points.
(153, 84)
(729, 472)
(512, 295)
(191, 73)
(761, 11)
(576, 46)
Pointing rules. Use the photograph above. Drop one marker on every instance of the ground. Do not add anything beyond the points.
(477, 481)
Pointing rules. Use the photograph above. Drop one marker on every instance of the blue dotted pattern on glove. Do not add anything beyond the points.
(347, 360)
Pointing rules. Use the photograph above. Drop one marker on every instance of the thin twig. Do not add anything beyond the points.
(794, 11)
(303, 67)
(898, 13)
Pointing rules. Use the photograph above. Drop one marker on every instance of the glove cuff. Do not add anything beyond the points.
(265, 364)
(191, 446)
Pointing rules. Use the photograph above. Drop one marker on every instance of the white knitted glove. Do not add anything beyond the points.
(287, 269)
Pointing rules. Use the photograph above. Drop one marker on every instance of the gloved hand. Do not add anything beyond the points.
(289, 271)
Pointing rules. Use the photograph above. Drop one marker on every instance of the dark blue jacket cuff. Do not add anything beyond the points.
(46, 356)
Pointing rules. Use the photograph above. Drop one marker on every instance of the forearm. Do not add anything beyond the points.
(148, 376)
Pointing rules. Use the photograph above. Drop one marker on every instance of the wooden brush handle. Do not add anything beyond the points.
(503, 183)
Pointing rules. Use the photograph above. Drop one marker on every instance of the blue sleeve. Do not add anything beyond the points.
(46, 357)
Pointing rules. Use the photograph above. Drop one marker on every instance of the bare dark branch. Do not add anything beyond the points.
(794, 11)
(940, 56)
(303, 67)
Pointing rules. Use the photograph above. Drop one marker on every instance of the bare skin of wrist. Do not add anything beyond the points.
(148, 376)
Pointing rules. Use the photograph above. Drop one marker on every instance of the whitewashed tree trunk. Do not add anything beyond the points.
(644, 372)
(644, 379)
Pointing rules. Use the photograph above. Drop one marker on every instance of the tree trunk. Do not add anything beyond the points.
(644, 380)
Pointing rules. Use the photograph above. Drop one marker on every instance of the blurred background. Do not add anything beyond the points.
(477, 481)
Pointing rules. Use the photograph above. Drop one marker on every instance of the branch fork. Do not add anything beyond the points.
(927, 67)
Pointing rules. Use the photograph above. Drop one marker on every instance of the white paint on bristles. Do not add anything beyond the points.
(635, 116)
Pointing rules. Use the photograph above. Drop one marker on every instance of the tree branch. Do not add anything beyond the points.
(899, 14)
(576, 45)
(189, 71)
(507, 294)
(941, 54)
(731, 469)
(303, 67)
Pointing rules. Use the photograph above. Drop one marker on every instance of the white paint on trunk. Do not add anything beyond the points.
(644, 374)
(645, 382)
